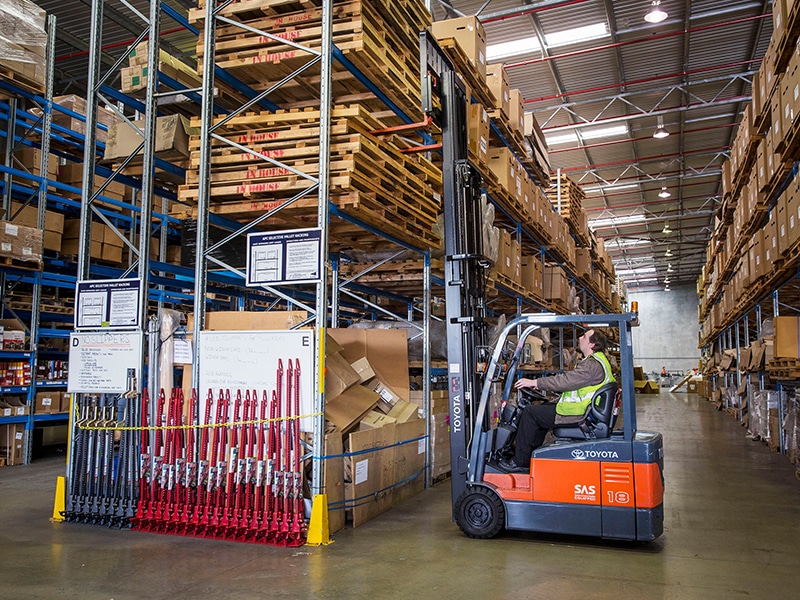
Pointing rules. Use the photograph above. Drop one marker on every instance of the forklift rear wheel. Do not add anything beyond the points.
(480, 513)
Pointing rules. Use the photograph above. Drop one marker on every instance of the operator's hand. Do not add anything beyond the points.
(524, 382)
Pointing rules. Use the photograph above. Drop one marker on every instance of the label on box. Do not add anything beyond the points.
(20, 410)
(484, 145)
(5, 247)
(6, 412)
(18, 435)
(12, 229)
(362, 471)
(421, 447)
(47, 401)
(27, 251)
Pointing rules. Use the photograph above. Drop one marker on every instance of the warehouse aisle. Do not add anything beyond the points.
(731, 530)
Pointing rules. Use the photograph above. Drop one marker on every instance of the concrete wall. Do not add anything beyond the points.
(667, 335)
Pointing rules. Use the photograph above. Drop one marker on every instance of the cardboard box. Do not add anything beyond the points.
(47, 402)
(532, 278)
(65, 402)
(403, 411)
(12, 443)
(470, 35)
(20, 242)
(172, 138)
(387, 396)
(555, 284)
(583, 262)
(478, 132)
(349, 407)
(364, 370)
(13, 334)
(516, 108)
(12, 406)
(385, 349)
(339, 375)
(375, 419)
(787, 337)
(497, 80)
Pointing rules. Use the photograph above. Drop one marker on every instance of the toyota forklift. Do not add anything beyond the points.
(592, 479)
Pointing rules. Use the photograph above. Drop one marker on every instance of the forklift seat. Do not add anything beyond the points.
(598, 422)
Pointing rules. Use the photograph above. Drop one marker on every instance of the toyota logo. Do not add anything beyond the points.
(578, 453)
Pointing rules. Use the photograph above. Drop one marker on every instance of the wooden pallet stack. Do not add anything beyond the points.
(380, 38)
(369, 178)
(571, 207)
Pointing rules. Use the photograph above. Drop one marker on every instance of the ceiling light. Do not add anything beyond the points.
(656, 14)
(503, 50)
(586, 133)
(669, 268)
(668, 252)
(635, 272)
(666, 280)
(661, 132)
(666, 288)
(664, 193)
(616, 221)
(666, 230)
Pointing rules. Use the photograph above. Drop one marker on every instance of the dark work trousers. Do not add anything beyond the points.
(534, 423)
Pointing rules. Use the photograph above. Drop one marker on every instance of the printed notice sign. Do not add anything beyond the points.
(284, 257)
(99, 362)
(108, 303)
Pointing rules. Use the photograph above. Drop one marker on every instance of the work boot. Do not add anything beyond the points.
(509, 466)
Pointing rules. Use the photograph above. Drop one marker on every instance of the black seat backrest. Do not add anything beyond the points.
(602, 406)
(599, 419)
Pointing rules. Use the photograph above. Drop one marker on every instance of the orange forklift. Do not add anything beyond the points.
(592, 479)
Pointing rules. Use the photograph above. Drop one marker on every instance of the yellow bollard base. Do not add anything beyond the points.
(319, 532)
(59, 501)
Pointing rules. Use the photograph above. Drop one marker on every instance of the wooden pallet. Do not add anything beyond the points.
(20, 80)
(382, 43)
(27, 264)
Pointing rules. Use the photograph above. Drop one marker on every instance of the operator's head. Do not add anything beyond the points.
(591, 341)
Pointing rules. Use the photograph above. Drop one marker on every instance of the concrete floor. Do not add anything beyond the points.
(732, 530)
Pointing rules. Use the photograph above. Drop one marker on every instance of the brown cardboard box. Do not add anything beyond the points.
(364, 370)
(516, 107)
(770, 247)
(787, 337)
(532, 274)
(76, 104)
(339, 375)
(30, 159)
(497, 80)
(385, 349)
(470, 35)
(555, 284)
(782, 223)
(65, 399)
(346, 409)
(172, 138)
(12, 333)
(403, 411)
(12, 443)
(47, 402)
(69, 247)
(20, 242)
(478, 136)
(374, 419)
(333, 468)
(12, 406)
(504, 165)
(583, 262)
(72, 174)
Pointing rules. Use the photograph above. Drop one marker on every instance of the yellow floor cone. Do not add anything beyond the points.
(319, 533)
(58, 503)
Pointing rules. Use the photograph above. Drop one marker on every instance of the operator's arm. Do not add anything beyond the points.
(588, 372)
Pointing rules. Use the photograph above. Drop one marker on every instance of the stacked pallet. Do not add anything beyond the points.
(569, 203)
(369, 178)
(380, 38)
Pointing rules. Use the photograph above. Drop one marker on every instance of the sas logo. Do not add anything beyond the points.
(585, 492)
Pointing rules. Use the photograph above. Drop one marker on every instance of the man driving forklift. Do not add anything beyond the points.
(577, 388)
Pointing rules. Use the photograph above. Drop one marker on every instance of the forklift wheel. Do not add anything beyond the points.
(480, 513)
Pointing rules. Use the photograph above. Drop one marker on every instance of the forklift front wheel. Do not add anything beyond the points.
(480, 513)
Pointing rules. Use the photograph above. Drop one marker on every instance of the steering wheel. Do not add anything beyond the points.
(533, 395)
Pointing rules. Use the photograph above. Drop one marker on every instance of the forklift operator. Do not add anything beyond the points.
(577, 388)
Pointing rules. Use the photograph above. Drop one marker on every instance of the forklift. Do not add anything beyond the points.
(592, 479)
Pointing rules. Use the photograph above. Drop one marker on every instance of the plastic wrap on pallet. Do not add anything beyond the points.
(20, 243)
(22, 22)
(791, 429)
(233, 253)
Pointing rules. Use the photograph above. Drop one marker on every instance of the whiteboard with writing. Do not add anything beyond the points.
(99, 362)
(250, 360)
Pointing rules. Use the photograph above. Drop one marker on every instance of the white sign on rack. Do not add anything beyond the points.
(99, 362)
(250, 360)
(284, 257)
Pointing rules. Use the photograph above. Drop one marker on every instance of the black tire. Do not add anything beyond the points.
(480, 513)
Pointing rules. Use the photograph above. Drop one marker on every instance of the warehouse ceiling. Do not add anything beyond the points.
(600, 80)
(600, 100)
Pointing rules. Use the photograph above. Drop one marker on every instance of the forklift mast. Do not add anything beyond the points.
(465, 267)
